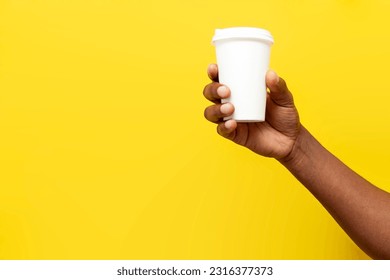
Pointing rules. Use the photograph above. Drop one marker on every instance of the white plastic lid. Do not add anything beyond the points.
(243, 33)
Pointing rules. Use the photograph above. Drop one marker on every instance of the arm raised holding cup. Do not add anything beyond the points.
(359, 207)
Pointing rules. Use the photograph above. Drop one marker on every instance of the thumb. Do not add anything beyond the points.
(279, 92)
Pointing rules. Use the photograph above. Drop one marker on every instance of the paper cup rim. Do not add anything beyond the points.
(253, 33)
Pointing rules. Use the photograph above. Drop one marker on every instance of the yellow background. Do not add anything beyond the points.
(104, 151)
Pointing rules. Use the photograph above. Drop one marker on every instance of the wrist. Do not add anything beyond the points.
(299, 149)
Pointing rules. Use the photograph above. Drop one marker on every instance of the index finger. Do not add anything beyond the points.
(212, 72)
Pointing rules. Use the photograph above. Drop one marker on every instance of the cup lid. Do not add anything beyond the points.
(243, 33)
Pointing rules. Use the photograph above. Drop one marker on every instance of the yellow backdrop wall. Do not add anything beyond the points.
(104, 151)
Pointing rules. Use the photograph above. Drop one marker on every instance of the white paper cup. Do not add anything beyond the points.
(243, 55)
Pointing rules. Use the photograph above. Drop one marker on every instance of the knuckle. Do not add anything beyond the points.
(206, 113)
(205, 89)
(219, 129)
(212, 113)
(209, 113)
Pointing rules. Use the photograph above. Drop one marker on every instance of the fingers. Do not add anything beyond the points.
(215, 92)
(279, 92)
(212, 72)
(215, 113)
(227, 129)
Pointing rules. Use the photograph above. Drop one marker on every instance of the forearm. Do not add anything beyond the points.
(360, 208)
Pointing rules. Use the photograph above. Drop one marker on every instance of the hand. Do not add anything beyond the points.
(275, 137)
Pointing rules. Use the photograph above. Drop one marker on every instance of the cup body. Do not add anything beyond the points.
(243, 55)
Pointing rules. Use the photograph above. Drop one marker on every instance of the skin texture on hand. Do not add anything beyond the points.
(359, 207)
(273, 138)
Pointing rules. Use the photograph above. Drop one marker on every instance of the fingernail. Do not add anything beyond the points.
(229, 124)
(226, 108)
(222, 91)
